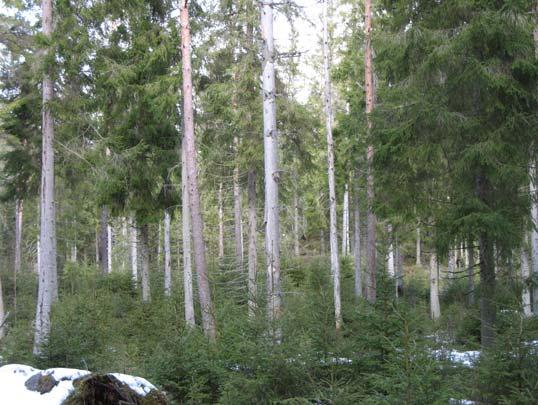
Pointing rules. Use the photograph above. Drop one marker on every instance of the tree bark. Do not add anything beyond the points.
(252, 248)
(103, 241)
(296, 244)
(2, 313)
(167, 255)
(134, 248)
(188, 294)
(419, 248)
(357, 240)
(470, 272)
(345, 223)
(525, 293)
(435, 308)
(238, 212)
(390, 254)
(144, 255)
(451, 262)
(19, 205)
(221, 222)
(487, 292)
(48, 283)
(206, 305)
(370, 101)
(271, 169)
(333, 236)
(534, 232)
(399, 270)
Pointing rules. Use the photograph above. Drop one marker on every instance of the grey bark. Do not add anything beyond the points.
(2, 313)
(357, 240)
(470, 272)
(133, 237)
(221, 222)
(48, 283)
(333, 236)
(206, 305)
(525, 293)
(167, 255)
(19, 206)
(390, 254)
(534, 233)
(296, 244)
(188, 294)
(271, 167)
(419, 250)
(238, 213)
(252, 243)
(104, 240)
(144, 256)
(435, 308)
(345, 223)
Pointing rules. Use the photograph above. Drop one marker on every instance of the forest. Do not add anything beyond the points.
(277, 202)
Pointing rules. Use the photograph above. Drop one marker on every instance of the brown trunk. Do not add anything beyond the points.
(206, 305)
(370, 101)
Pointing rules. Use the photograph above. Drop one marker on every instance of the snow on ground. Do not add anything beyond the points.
(467, 358)
(14, 392)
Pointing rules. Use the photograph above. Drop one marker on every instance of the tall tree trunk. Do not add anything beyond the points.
(144, 255)
(390, 253)
(451, 262)
(487, 292)
(399, 270)
(525, 273)
(272, 172)
(470, 272)
(238, 212)
(167, 255)
(370, 101)
(2, 313)
(345, 223)
(188, 294)
(435, 308)
(419, 250)
(109, 235)
(159, 247)
(134, 248)
(296, 244)
(103, 240)
(534, 232)
(333, 236)
(357, 239)
(48, 283)
(221, 222)
(206, 305)
(252, 248)
(19, 205)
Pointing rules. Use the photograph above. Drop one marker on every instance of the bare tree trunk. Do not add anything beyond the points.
(206, 305)
(390, 254)
(144, 255)
(134, 248)
(333, 236)
(252, 248)
(534, 232)
(357, 240)
(525, 273)
(2, 313)
(187, 251)
(221, 222)
(419, 250)
(487, 292)
(167, 255)
(370, 101)
(435, 308)
(48, 283)
(159, 247)
(399, 270)
(238, 212)
(470, 272)
(345, 223)
(296, 244)
(19, 205)
(109, 249)
(272, 173)
(451, 262)
(103, 241)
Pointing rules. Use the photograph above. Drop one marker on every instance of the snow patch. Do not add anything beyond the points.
(14, 392)
(467, 358)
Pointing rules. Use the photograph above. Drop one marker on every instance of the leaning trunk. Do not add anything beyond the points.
(271, 170)
(18, 236)
(206, 305)
(144, 253)
(48, 283)
(370, 100)
(167, 255)
(188, 295)
(333, 236)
